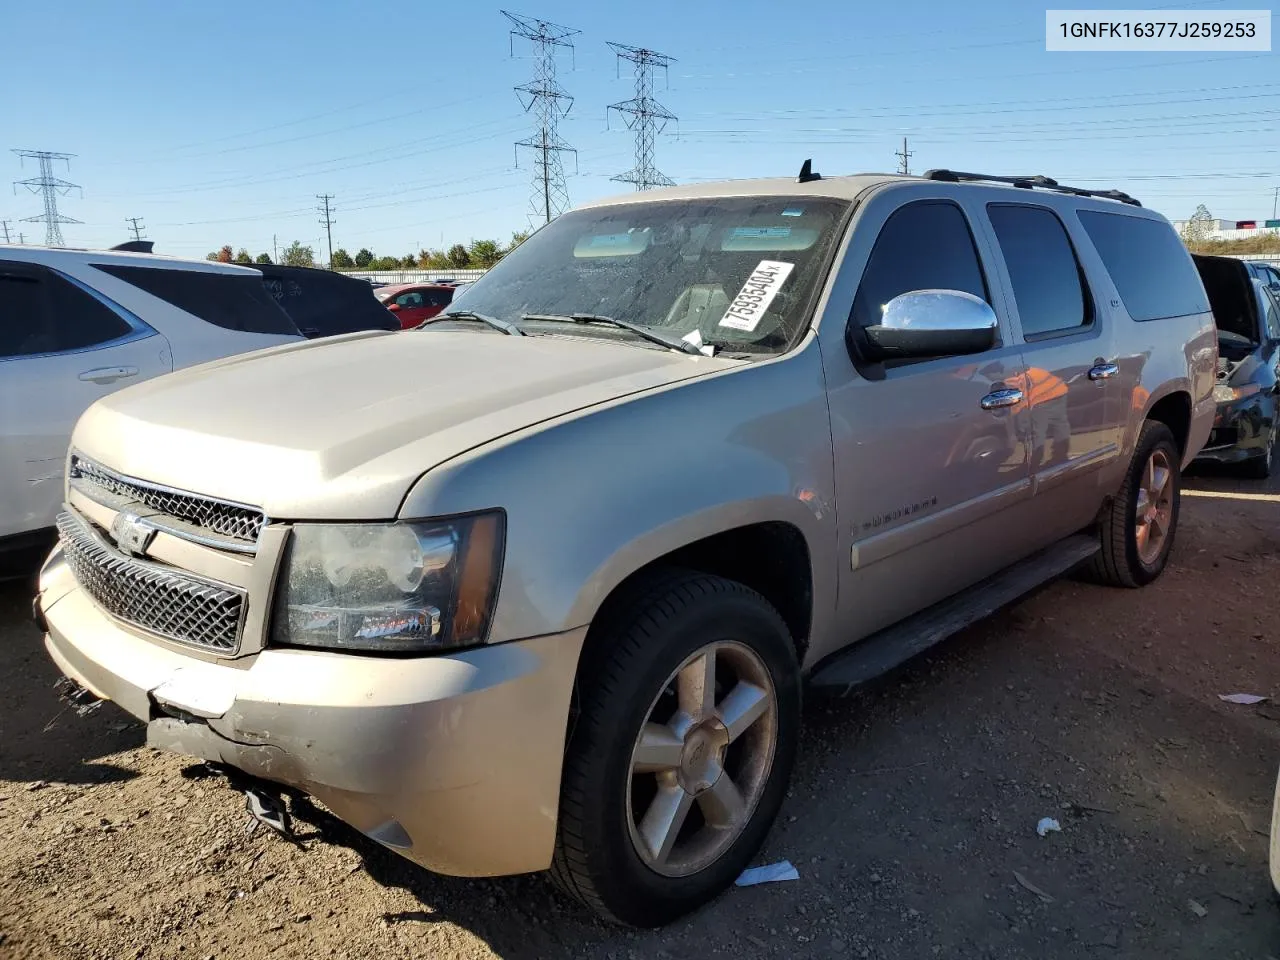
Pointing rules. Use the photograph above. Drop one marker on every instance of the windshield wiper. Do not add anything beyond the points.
(506, 326)
(653, 336)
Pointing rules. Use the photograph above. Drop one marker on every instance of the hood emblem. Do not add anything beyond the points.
(131, 533)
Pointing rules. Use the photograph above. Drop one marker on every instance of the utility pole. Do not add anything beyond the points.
(643, 114)
(904, 155)
(5, 224)
(275, 250)
(547, 100)
(1275, 199)
(22, 238)
(327, 221)
(50, 187)
(135, 224)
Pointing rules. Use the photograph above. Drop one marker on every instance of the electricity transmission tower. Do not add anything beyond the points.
(135, 224)
(643, 114)
(548, 102)
(904, 155)
(327, 221)
(5, 224)
(51, 187)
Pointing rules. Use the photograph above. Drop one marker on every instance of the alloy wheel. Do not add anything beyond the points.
(701, 759)
(1153, 513)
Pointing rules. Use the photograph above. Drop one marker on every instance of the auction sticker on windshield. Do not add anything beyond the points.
(756, 295)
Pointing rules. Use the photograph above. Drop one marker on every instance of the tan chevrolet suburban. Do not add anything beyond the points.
(535, 586)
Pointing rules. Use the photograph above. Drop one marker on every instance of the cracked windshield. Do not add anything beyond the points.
(737, 273)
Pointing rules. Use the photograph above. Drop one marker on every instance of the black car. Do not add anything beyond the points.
(1247, 313)
(323, 303)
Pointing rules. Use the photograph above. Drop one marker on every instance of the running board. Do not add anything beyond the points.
(881, 652)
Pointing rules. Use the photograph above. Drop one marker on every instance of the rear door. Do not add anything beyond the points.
(1073, 383)
(62, 346)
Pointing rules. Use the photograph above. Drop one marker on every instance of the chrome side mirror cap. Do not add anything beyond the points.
(932, 323)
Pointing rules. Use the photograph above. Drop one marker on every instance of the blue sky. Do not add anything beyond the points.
(219, 124)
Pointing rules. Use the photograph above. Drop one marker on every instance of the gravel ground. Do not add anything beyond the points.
(912, 819)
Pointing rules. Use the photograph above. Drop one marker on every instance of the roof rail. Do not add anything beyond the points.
(1029, 183)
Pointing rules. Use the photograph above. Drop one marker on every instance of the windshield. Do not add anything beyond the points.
(741, 271)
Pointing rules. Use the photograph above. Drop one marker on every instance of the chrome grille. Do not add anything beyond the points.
(227, 519)
(161, 600)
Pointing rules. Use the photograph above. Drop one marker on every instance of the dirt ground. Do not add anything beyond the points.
(912, 819)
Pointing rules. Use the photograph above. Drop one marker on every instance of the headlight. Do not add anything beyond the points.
(1223, 393)
(389, 587)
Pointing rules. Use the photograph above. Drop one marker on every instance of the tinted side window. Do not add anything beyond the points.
(1043, 270)
(409, 300)
(1150, 266)
(1272, 304)
(41, 312)
(925, 245)
(24, 319)
(230, 301)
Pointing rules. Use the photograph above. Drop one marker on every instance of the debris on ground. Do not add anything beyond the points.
(1197, 908)
(267, 809)
(1248, 699)
(1048, 825)
(769, 873)
(1028, 885)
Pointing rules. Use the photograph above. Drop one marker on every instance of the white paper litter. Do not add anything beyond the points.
(769, 873)
(1047, 826)
(694, 337)
(1245, 698)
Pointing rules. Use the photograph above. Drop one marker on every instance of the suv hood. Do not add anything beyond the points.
(341, 428)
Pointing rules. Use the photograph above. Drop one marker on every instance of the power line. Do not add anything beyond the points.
(904, 156)
(644, 115)
(548, 102)
(326, 220)
(51, 187)
(135, 224)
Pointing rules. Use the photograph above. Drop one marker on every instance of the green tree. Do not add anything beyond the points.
(517, 238)
(458, 257)
(385, 263)
(263, 258)
(242, 256)
(410, 261)
(342, 260)
(298, 255)
(364, 258)
(484, 253)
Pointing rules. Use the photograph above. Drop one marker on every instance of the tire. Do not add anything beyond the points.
(1122, 562)
(634, 673)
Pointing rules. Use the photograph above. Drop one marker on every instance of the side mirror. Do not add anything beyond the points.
(932, 323)
(393, 307)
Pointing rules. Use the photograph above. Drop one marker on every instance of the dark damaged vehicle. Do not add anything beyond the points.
(1247, 314)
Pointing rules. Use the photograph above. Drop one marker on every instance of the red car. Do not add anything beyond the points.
(414, 302)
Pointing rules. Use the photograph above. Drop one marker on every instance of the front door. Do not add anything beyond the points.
(1073, 384)
(931, 465)
(61, 348)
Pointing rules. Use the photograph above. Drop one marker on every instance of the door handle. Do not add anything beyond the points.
(108, 374)
(1103, 371)
(1006, 397)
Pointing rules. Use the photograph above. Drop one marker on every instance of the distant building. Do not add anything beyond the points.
(1233, 229)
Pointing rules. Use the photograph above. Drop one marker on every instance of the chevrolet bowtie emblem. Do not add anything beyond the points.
(131, 533)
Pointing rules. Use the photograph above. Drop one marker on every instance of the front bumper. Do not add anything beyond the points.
(1241, 430)
(453, 761)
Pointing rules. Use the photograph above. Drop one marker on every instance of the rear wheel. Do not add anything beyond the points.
(681, 751)
(1137, 526)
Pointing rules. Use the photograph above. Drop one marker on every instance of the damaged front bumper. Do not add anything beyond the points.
(1241, 431)
(452, 760)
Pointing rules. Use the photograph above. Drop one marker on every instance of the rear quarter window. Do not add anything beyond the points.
(231, 301)
(1149, 265)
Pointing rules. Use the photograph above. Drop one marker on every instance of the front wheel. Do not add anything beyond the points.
(687, 728)
(1136, 528)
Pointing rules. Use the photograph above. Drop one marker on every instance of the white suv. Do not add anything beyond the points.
(76, 325)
